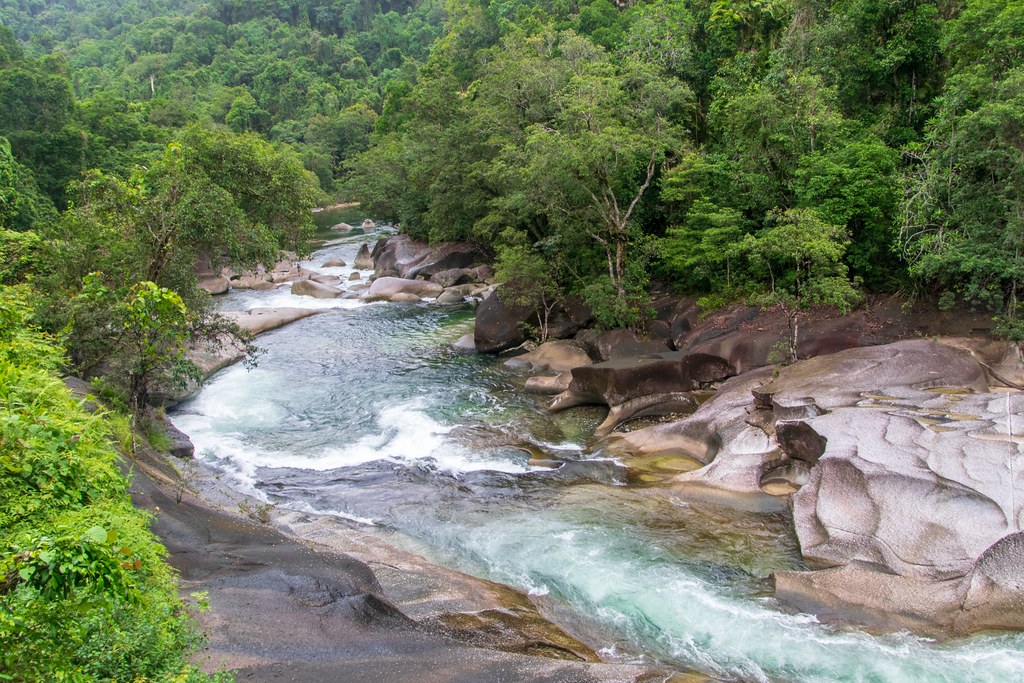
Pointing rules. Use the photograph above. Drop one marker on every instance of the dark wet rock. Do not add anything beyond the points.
(317, 290)
(399, 289)
(181, 445)
(799, 441)
(500, 326)
(654, 384)
(569, 317)
(453, 276)
(612, 344)
(363, 260)
(617, 381)
(296, 608)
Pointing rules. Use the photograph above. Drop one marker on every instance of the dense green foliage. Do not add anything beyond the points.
(85, 594)
(313, 73)
(634, 140)
(595, 128)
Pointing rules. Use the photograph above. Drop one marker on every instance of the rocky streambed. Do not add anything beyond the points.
(681, 508)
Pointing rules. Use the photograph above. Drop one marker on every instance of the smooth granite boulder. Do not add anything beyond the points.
(317, 290)
(363, 260)
(396, 256)
(399, 289)
(905, 473)
(499, 325)
(552, 357)
(215, 285)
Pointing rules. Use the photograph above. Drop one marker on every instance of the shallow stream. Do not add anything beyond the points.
(366, 412)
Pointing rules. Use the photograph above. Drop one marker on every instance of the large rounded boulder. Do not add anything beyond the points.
(400, 289)
(501, 325)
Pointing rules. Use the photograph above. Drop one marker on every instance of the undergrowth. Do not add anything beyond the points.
(85, 591)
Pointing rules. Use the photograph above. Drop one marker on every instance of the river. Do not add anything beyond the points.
(365, 412)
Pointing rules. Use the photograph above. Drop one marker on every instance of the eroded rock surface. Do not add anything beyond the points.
(907, 470)
(654, 384)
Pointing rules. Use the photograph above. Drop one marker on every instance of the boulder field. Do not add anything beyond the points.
(901, 462)
(903, 471)
(407, 271)
(897, 451)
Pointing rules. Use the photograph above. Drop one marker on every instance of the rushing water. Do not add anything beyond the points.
(365, 412)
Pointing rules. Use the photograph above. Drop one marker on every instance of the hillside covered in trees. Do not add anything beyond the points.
(790, 150)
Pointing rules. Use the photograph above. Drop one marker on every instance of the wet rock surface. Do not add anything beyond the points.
(282, 609)
(653, 384)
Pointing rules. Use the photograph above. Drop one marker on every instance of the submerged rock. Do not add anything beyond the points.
(465, 344)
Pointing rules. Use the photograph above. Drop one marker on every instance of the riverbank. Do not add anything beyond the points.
(325, 602)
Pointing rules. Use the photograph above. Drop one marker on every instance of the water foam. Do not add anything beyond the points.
(405, 434)
(690, 619)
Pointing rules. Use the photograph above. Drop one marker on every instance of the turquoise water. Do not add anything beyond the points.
(365, 412)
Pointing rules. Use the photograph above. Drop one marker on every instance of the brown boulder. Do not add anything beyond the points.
(363, 260)
(552, 357)
(395, 256)
(398, 289)
(316, 290)
(655, 384)
(215, 285)
(446, 257)
(612, 344)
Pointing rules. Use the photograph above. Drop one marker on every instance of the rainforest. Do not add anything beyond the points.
(632, 178)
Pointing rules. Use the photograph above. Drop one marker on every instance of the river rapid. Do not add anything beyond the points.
(366, 413)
